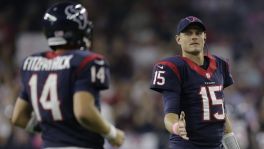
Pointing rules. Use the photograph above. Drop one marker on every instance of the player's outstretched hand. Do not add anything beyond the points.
(119, 139)
(179, 128)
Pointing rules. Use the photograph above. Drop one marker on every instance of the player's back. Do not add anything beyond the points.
(50, 81)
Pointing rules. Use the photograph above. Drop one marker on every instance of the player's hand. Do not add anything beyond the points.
(179, 128)
(118, 140)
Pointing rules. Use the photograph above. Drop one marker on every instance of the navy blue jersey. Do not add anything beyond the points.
(49, 82)
(196, 91)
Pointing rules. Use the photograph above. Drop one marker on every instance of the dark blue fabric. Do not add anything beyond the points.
(185, 94)
(68, 132)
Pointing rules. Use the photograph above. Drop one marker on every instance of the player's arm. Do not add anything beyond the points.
(21, 113)
(174, 122)
(169, 120)
(166, 79)
(228, 126)
(93, 76)
(90, 118)
(229, 139)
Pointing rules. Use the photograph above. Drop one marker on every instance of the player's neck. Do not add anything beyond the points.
(198, 59)
(61, 50)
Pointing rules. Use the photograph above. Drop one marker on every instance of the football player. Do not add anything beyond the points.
(62, 85)
(192, 87)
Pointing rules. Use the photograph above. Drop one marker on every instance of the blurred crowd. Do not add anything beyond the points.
(133, 35)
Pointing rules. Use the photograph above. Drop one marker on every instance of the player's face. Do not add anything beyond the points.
(192, 40)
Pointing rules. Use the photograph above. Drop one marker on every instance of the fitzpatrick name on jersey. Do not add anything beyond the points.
(37, 63)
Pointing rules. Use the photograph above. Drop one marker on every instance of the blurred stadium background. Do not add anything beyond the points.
(133, 34)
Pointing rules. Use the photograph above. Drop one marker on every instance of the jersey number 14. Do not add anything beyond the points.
(48, 98)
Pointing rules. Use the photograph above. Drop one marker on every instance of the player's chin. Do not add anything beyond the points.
(194, 51)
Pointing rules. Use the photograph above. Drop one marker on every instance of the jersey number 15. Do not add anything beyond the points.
(158, 78)
(209, 100)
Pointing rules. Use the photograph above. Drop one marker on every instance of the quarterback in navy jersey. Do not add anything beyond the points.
(192, 87)
(62, 86)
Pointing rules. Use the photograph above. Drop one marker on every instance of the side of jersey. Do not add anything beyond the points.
(197, 92)
(49, 82)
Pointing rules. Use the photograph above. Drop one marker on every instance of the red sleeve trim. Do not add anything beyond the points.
(173, 67)
(87, 60)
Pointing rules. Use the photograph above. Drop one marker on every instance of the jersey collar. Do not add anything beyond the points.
(208, 73)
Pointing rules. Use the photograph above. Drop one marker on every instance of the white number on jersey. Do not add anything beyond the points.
(214, 102)
(158, 78)
(48, 98)
(97, 74)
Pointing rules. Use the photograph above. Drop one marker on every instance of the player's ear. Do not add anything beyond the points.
(205, 36)
(178, 39)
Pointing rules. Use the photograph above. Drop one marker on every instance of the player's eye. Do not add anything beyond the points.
(188, 33)
(198, 33)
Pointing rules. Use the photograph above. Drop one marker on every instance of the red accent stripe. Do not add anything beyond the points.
(212, 67)
(87, 60)
(173, 67)
(210, 70)
(53, 54)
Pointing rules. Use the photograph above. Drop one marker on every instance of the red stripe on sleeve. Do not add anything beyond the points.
(173, 67)
(87, 60)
